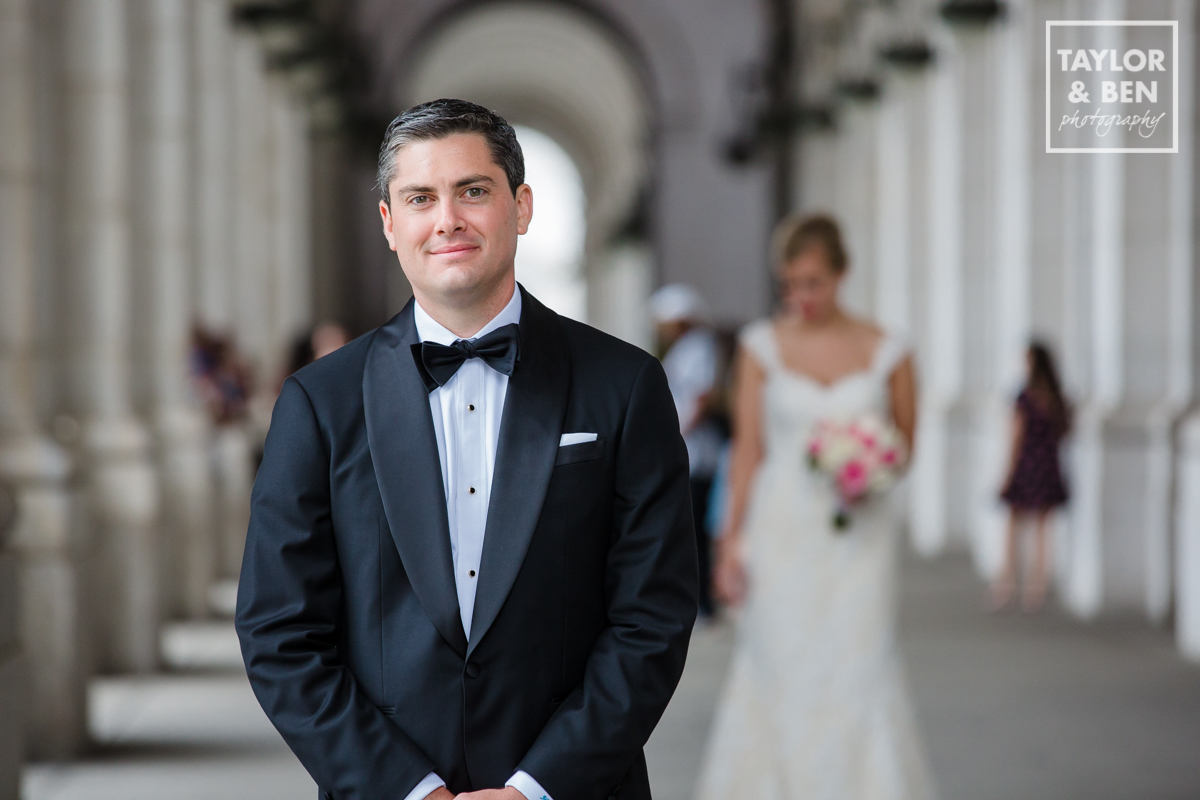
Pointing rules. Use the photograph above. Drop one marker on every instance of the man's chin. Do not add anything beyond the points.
(466, 286)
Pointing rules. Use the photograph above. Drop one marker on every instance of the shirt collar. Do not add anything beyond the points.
(430, 330)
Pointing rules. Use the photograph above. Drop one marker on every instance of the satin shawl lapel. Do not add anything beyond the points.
(534, 407)
(408, 471)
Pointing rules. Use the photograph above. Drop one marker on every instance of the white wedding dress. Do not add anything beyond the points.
(815, 707)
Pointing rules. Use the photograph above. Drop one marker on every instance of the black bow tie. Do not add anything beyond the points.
(437, 363)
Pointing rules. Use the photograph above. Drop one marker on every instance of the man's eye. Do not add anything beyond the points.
(475, 191)
(419, 200)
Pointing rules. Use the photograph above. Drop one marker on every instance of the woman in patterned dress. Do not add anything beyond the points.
(1035, 485)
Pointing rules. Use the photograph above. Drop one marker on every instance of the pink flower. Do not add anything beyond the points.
(889, 457)
(852, 480)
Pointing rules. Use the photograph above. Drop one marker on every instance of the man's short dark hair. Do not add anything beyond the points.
(446, 117)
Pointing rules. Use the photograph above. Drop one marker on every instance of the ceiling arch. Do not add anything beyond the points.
(393, 29)
(554, 68)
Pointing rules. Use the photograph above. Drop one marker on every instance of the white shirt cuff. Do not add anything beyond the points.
(427, 786)
(524, 783)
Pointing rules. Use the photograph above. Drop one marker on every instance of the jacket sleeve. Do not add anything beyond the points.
(651, 585)
(288, 607)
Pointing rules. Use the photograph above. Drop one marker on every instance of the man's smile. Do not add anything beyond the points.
(454, 250)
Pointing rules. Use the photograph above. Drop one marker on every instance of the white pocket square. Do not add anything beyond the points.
(576, 438)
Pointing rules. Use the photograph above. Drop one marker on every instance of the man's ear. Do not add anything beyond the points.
(385, 212)
(524, 207)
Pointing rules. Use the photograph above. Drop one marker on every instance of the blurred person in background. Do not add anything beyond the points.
(1034, 486)
(691, 356)
(328, 337)
(311, 345)
(306, 348)
(300, 356)
(815, 707)
(221, 376)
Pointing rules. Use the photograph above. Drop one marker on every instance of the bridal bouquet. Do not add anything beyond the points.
(862, 457)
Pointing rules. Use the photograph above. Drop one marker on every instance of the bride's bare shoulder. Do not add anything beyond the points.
(866, 331)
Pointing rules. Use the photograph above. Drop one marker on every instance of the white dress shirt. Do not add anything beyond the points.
(691, 367)
(466, 421)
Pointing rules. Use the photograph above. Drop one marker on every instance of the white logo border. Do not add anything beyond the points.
(1174, 25)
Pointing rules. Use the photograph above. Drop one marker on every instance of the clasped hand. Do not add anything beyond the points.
(507, 793)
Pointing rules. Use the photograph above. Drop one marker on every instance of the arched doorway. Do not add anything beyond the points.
(550, 255)
(567, 80)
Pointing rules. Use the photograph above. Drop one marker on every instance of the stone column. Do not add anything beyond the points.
(939, 337)
(217, 265)
(892, 226)
(213, 292)
(1052, 242)
(36, 468)
(972, 483)
(180, 426)
(618, 285)
(1187, 483)
(252, 234)
(251, 237)
(329, 220)
(1092, 345)
(1004, 288)
(816, 160)
(292, 295)
(1187, 530)
(855, 200)
(1094, 349)
(1129, 351)
(815, 146)
(214, 295)
(1151, 287)
(120, 478)
(903, 302)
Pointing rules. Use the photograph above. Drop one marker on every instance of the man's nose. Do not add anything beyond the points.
(450, 220)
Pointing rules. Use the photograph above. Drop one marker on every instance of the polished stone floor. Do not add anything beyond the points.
(1013, 707)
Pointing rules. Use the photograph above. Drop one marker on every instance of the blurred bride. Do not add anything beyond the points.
(815, 707)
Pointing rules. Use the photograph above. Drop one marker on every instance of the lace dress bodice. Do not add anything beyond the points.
(794, 402)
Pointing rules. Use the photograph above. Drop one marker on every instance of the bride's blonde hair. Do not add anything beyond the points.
(796, 234)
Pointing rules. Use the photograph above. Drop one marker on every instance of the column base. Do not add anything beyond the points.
(232, 457)
(1119, 546)
(123, 494)
(189, 547)
(991, 442)
(927, 523)
(57, 651)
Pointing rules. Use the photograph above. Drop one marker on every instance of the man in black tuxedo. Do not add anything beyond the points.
(470, 568)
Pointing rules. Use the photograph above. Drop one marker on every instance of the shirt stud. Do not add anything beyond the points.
(471, 573)
(470, 406)
(472, 490)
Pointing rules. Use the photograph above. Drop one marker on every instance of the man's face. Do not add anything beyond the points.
(453, 221)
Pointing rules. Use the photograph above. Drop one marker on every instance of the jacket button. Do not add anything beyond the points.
(472, 670)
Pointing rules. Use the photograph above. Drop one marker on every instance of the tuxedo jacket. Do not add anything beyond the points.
(347, 611)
